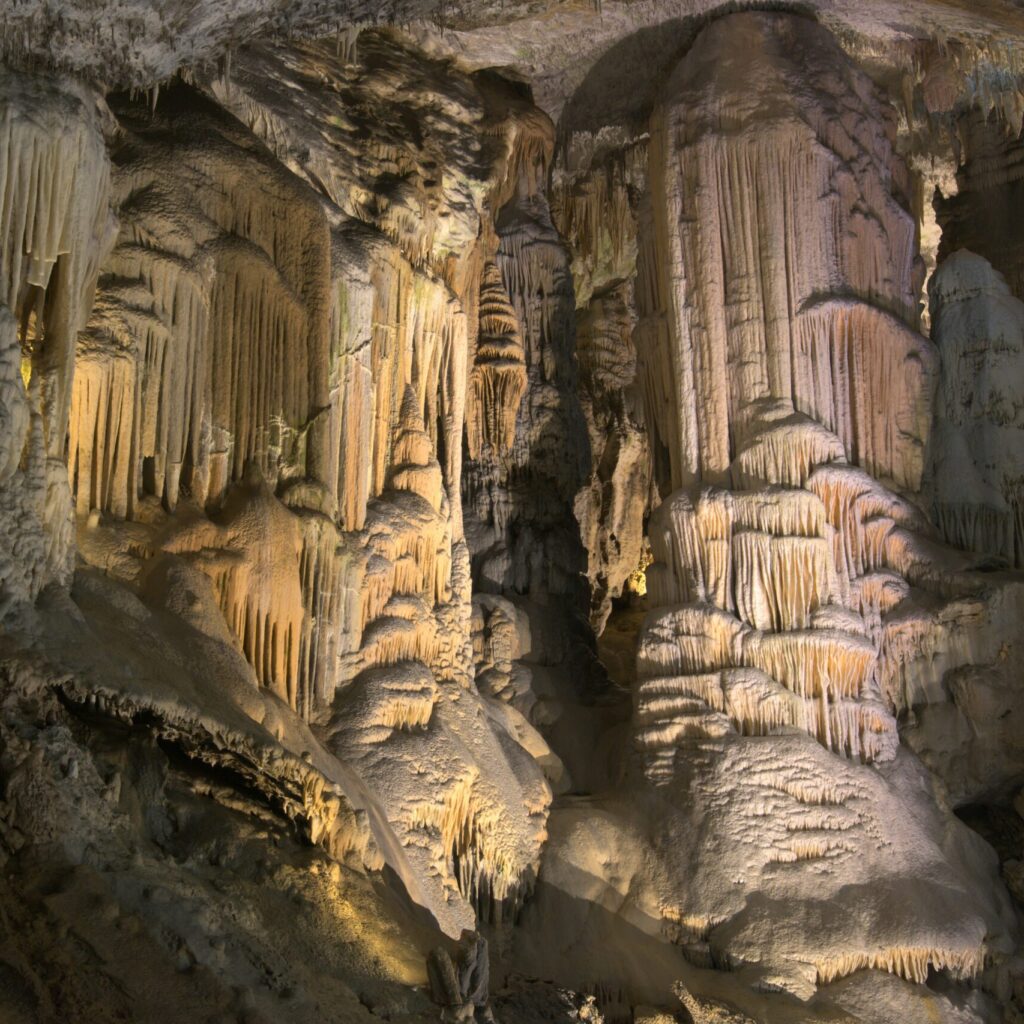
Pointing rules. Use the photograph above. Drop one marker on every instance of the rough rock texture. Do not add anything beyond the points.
(259, 406)
(423, 520)
(799, 604)
(978, 436)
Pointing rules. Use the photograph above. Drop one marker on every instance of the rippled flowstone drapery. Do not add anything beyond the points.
(791, 838)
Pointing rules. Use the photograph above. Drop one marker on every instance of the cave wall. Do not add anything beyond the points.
(265, 406)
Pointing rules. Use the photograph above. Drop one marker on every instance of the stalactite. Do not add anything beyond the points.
(417, 330)
(404, 695)
(780, 581)
(816, 680)
(205, 354)
(252, 321)
(171, 359)
(912, 963)
(55, 228)
(863, 515)
(693, 545)
(352, 417)
(784, 449)
(520, 501)
(865, 376)
(595, 212)
(210, 341)
(814, 663)
(390, 639)
(332, 581)
(253, 558)
(222, 307)
(484, 874)
(103, 455)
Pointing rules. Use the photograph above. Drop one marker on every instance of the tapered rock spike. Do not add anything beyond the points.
(499, 370)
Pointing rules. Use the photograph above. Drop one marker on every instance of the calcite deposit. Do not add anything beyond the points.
(511, 512)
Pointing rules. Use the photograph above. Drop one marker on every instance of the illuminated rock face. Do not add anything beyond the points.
(781, 213)
(264, 417)
(782, 240)
(795, 586)
(786, 281)
(343, 402)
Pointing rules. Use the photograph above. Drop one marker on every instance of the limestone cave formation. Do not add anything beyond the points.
(511, 510)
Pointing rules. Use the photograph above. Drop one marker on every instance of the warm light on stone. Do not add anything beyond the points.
(511, 512)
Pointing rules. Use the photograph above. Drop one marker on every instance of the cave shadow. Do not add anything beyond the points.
(621, 87)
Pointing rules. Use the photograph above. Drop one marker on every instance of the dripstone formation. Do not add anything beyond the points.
(511, 513)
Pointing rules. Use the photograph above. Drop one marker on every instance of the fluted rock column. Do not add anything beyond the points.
(55, 228)
(788, 384)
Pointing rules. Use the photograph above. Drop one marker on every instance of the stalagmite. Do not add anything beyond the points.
(779, 357)
(499, 371)
(413, 466)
